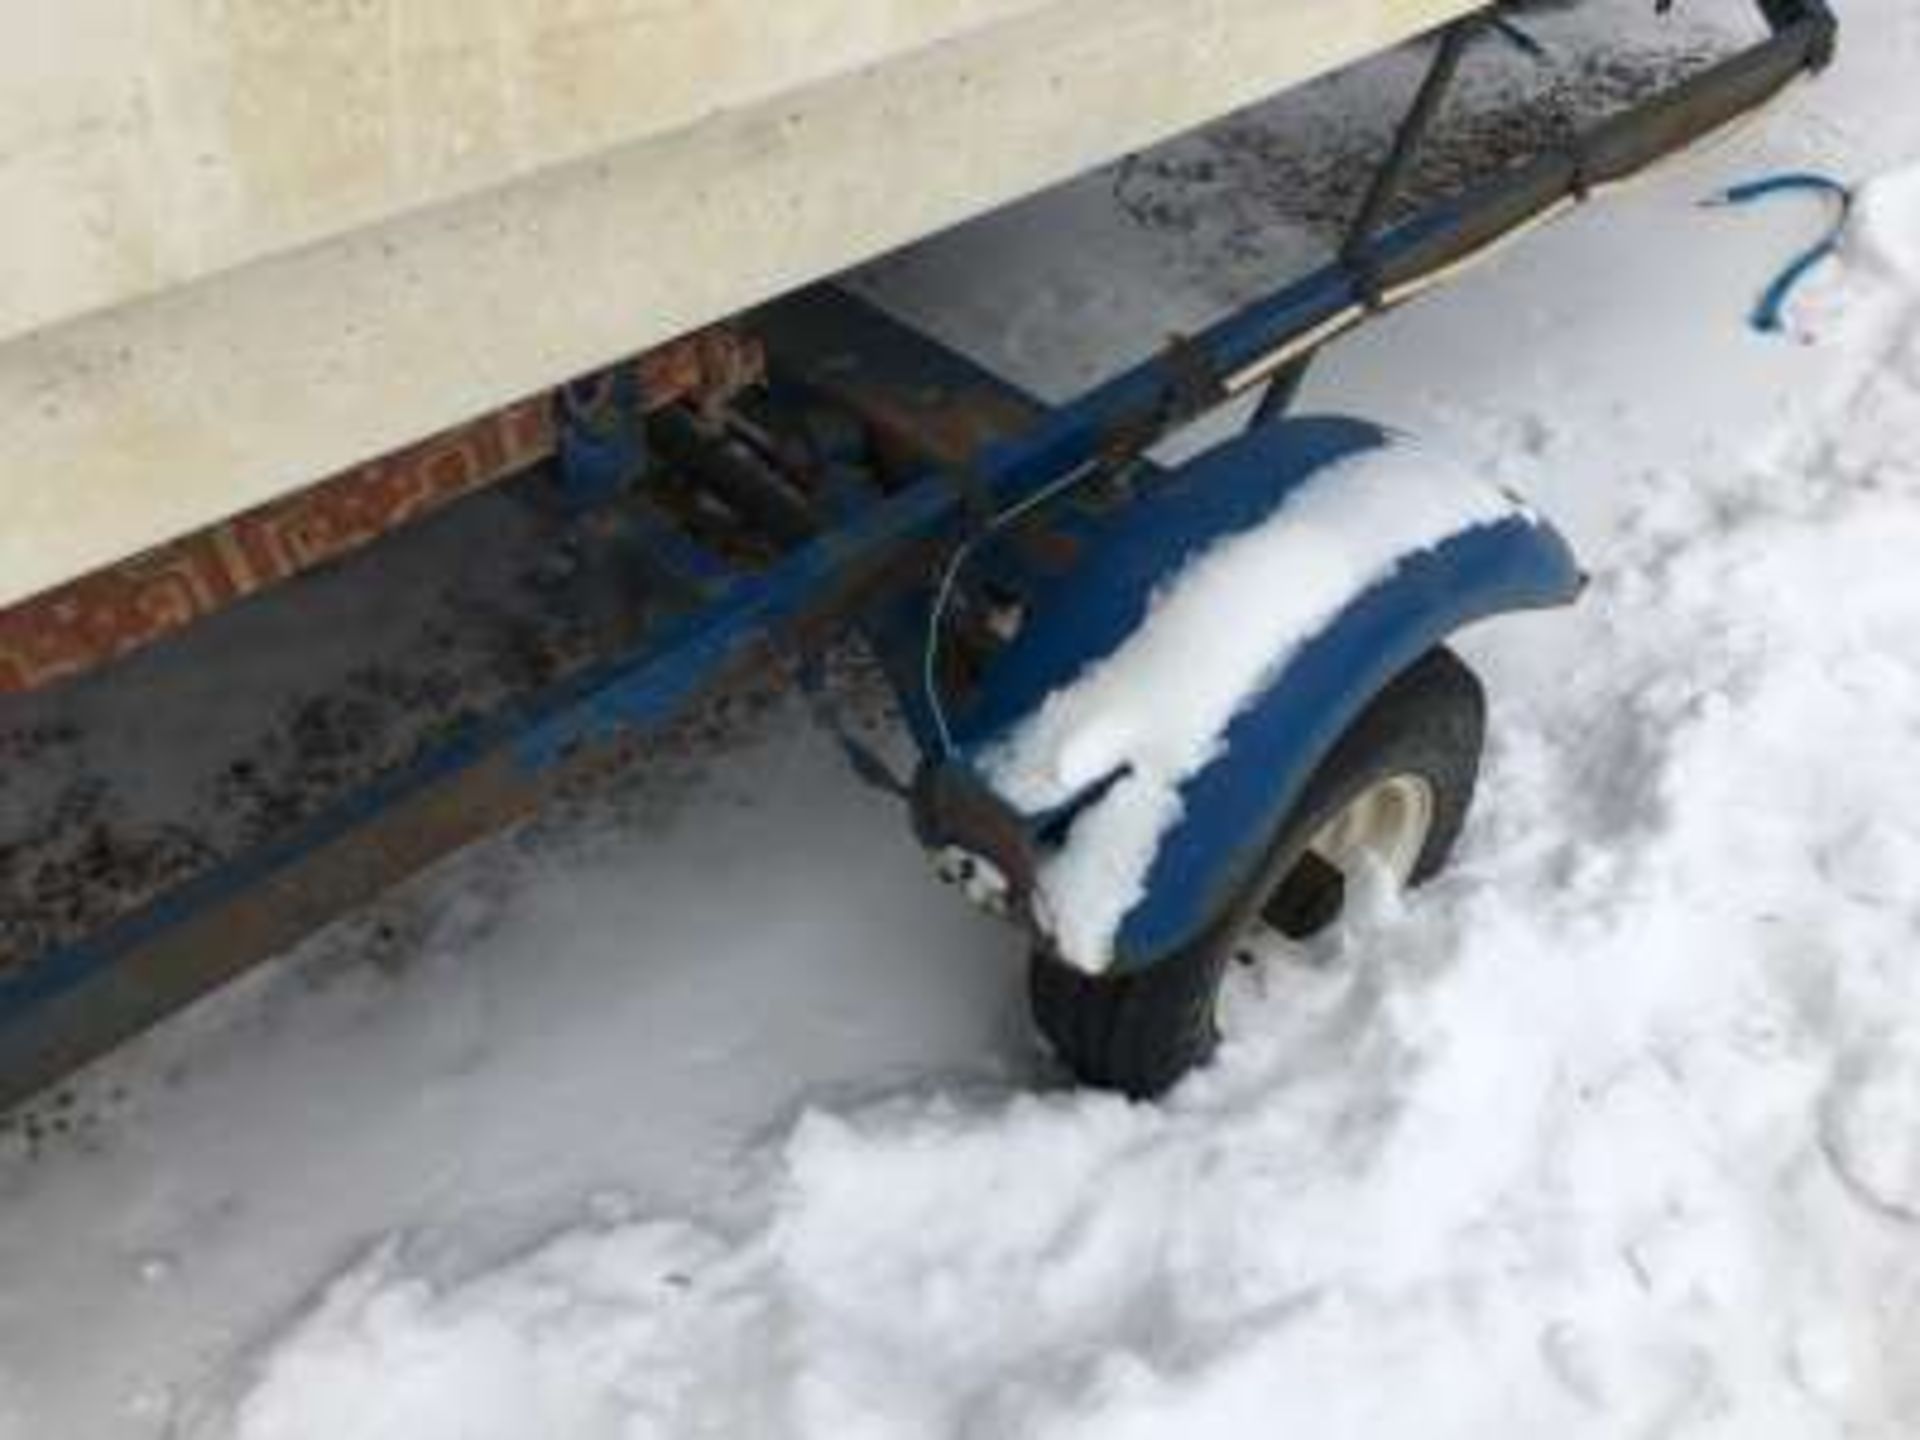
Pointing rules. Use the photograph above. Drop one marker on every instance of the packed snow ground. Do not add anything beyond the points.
(703, 1111)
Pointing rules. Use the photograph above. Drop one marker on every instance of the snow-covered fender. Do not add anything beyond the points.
(1232, 807)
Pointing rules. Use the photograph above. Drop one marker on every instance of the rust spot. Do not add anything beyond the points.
(916, 426)
(114, 612)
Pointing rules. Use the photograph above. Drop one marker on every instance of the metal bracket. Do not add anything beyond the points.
(602, 438)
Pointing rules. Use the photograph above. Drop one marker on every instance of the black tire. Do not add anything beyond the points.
(1141, 1033)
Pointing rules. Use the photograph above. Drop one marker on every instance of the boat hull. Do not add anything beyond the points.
(308, 240)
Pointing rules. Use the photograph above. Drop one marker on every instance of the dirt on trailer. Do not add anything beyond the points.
(1305, 160)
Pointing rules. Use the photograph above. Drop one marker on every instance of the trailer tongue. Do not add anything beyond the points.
(995, 553)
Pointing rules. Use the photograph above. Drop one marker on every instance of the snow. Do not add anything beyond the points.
(1888, 224)
(1345, 531)
(701, 1110)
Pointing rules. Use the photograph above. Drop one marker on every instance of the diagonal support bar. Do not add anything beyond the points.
(1389, 180)
(1391, 177)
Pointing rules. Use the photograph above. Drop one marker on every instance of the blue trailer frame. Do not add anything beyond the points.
(880, 557)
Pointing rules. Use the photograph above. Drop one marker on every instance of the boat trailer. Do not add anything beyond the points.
(990, 550)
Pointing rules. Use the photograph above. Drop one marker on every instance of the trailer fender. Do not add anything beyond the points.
(1233, 805)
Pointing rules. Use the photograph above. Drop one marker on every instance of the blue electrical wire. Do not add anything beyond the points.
(1769, 315)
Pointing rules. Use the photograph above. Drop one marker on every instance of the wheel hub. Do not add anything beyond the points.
(1381, 832)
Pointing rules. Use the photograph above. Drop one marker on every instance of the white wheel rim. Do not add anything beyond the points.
(1384, 829)
(1375, 842)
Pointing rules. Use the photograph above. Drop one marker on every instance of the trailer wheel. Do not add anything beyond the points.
(1394, 791)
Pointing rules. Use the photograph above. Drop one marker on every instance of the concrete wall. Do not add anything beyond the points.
(144, 143)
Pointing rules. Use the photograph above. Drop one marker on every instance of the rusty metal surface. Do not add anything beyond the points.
(115, 612)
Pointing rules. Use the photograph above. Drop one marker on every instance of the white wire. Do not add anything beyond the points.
(943, 595)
